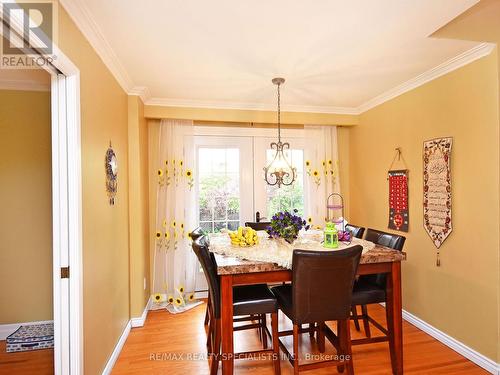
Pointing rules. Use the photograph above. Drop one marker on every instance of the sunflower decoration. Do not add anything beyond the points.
(174, 224)
(170, 299)
(191, 297)
(190, 179)
(157, 298)
(180, 171)
(178, 301)
(159, 239)
(164, 223)
(161, 177)
(181, 289)
(309, 220)
(323, 163)
(308, 167)
(167, 235)
(317, 177)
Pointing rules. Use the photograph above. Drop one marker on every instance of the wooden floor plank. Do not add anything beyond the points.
(175, 344)
(164, 344)
(39, 362)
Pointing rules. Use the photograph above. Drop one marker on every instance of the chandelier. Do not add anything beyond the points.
(279, 171)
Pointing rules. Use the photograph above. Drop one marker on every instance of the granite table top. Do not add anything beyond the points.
(227, 265)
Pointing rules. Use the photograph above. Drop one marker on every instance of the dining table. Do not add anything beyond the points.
(240, 269)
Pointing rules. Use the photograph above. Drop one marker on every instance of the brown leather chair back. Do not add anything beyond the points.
(322, 284)
(261, 225)
(355, 230)
(209, 265)
(393, 241)
(198, 232)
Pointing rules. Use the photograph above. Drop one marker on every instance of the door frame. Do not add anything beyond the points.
(66, 206)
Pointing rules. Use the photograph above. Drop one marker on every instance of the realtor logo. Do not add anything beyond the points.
(28, 34)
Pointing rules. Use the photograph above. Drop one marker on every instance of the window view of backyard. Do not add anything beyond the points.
(287, 197)
(219, 200)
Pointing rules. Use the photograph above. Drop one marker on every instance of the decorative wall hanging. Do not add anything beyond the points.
(437, 190)
(398, 196)
(111, 167)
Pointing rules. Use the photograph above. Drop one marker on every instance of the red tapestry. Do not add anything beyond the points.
(398, 200)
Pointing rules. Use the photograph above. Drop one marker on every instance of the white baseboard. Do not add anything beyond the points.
(201, 294)
(139, 322)
(469, 353)
(7, 329)
(116, 352)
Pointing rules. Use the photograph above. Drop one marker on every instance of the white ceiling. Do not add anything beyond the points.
(336, 55)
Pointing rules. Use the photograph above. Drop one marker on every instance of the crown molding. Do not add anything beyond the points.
(142, 92)
(166, 102)
(81, 16)
(23, 85)
(452, 64)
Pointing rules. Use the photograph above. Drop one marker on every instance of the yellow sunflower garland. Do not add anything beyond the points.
(158, 298)
(190, 179)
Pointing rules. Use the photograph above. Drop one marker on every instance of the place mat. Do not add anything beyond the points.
(277, 250)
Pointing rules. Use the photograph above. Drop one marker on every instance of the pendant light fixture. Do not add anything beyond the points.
(279, 171)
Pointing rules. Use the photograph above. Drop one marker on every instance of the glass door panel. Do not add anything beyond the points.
(271, 199)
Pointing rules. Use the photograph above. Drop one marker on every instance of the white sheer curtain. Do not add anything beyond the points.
(174, 266)
(322, 168)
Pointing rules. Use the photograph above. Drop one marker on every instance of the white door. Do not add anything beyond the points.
(229, 179)
(224, 185)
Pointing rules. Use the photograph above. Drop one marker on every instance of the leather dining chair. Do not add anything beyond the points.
(195, 234)
(370, 289)
(358, 233)
(247, 300)
(261, 225)
(321, 291)
(355, 230)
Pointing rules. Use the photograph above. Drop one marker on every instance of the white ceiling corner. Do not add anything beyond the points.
(142, 92)
(452, 64)
(379, 72)
(81, 16)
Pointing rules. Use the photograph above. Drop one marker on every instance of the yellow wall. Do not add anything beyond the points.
(238, 115)
(460, 297)
(104, 111)
(26, 207)
(139, 206)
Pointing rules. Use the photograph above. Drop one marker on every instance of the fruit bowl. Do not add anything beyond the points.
(243, 237)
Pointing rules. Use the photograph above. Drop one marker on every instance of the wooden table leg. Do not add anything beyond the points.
(227, 324)
(394, 312)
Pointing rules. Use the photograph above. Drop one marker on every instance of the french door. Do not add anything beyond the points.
(229, 178)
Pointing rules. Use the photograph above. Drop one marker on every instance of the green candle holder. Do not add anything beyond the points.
(331, 240)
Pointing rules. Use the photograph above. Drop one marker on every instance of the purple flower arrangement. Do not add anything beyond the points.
(344, 236)
(286, 225)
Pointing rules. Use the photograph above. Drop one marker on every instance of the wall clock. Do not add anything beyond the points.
(111, 166)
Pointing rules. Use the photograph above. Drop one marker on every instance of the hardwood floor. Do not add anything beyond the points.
(169, 344)
(39, 362)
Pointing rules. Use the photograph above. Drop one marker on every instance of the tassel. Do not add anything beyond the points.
(438, 261)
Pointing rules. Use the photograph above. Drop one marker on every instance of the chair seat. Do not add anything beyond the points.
(365, 293)
(253, 299)
(283, 295)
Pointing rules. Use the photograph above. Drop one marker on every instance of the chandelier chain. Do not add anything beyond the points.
(279, 114)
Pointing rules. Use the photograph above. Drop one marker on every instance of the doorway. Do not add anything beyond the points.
(66, 200)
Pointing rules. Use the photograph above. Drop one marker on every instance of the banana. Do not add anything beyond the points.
(243, 237)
